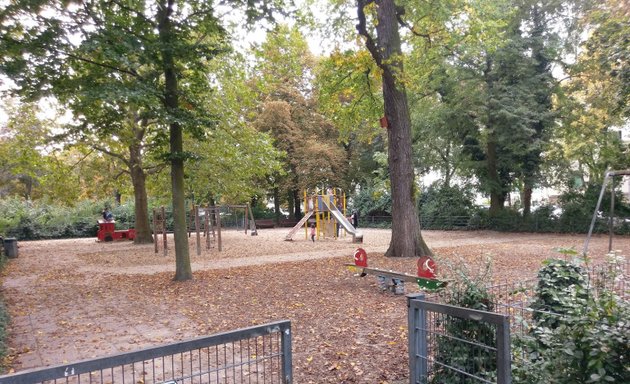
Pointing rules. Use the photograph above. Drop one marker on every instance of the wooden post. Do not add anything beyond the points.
(213, 222)
(246, 220)
(207, 227)
(165, 241)
(155, 230)
(218, 218)
(196, 210)
(191, 220)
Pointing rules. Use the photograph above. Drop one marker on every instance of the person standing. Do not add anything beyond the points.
(355, 219)
(313, 232)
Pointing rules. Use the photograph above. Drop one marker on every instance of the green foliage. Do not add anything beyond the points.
(4, 325)
(442, 207)
(578, 208)
(556, 280)
(262, 212)
(372, 201)
(348, 85)
(507, 220)
(586, 342)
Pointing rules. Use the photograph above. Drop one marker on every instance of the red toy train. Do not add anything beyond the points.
(107, 232)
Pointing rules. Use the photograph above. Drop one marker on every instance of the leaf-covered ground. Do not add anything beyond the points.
(78, 299)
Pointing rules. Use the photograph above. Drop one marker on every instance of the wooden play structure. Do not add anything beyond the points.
(107, 232)
(426, 276)
(326, 212)
(202, 221)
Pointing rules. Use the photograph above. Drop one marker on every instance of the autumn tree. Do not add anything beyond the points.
(290, 113)
(229, 164)
(347, 84)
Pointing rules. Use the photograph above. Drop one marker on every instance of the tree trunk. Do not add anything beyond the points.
(144, 234)
(291, 204)
(297, 212)
(526, 198)
(276, 205)
(497, 196)
(406, 238)
(183, 269)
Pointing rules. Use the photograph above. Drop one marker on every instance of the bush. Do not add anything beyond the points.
(27, 220)
(443, 207)
(507, 220)
(586, 342)
(4, 324)
(578, 208)
(372, 201)
(260, 211)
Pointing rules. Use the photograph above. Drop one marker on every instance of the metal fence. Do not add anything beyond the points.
(508, 223)
(255, 355)
(449, 344)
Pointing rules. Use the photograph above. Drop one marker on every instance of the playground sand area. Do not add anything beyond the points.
(77, 299)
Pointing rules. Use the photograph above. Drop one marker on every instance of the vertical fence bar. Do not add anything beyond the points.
(416, 327)
(287, 363)
(206, 227)
(504, 358)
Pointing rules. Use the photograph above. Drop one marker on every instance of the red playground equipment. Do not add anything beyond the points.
(107, 232)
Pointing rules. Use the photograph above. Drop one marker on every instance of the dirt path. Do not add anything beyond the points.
(76, 299)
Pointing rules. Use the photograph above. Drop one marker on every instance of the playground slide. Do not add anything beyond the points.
(341, 219)
(298, 226)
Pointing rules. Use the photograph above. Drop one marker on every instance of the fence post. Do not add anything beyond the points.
(287, 364)
(416, 327)
(504, 358)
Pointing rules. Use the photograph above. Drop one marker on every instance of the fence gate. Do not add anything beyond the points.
(451, 345)
(254, 355)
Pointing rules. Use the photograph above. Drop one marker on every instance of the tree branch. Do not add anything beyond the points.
(110, 153)
(400, 11)
(370, 44)
(135, 11)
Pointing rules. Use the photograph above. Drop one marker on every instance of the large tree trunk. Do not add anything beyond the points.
(406, 238)
(138, 179)
(297, 212)
(291, 204)
(526, 198)
(497, 196)
(183, 269)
